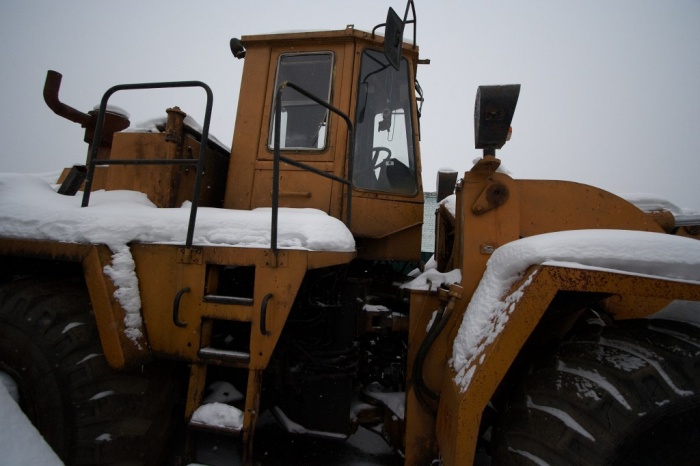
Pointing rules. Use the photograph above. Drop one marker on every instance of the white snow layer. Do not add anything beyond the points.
(218, 415)
(430, 279)
(157, 125)
(20, 442)
(30, 208)
(645, 253)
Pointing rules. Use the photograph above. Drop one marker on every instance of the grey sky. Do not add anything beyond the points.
(609, 88)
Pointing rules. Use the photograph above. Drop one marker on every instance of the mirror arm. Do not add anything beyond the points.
(414, 21)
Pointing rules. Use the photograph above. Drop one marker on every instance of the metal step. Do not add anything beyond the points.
(227, 358)
(230, 431)
(223, 299)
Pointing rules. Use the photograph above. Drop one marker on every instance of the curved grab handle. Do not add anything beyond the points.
(263, 315)
(176, 308)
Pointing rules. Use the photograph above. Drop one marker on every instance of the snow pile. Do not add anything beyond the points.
(644, 253)
(431, 279)
(157, 125)
(20, 442)
(450, 203)
(394, 401)
(219, 415)
(30, 208)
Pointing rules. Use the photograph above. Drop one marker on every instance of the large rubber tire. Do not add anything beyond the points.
(627, 394)
(87, 413)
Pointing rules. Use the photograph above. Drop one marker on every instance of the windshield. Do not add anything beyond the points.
(384, 158)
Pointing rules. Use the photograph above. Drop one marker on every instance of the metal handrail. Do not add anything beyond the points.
(93, 161)
(303, 166)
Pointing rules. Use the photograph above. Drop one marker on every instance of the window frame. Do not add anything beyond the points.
(409, 120)
(327, 120)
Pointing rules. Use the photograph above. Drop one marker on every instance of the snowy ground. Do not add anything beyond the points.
(20, 442)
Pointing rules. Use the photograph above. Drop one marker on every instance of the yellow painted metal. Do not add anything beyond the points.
(419, 438)
(120, 351)
(195, 389)
(563, 205)
(164, 270)
(252, 411)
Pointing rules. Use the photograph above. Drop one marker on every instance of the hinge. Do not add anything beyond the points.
(189, 256)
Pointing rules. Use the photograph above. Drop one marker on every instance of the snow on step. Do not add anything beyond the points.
(218, 415)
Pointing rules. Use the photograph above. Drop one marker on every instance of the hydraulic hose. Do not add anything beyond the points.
(425, 395)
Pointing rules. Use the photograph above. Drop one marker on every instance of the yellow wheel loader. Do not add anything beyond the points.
(555, 324)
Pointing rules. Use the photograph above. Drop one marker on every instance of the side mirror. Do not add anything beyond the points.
(237, 48)
(493, 113)
(446, 183)
(393, 38)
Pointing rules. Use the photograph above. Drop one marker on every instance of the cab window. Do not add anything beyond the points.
(384, 157)
(304, 123)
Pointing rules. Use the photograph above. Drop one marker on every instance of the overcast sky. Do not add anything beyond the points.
(610, 88)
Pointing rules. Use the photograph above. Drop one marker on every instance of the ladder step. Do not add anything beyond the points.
(223, 299)
(218, 418)
(230, 431)
(221, 357)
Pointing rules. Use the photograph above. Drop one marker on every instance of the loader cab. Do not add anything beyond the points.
(380, 157)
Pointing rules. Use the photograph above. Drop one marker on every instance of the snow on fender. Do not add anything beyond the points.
(637, 252)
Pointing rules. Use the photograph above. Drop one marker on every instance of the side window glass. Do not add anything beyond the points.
(384, 157)
(304, 124)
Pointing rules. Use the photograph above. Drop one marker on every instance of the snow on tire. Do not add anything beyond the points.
(87, 413)
(623, 394)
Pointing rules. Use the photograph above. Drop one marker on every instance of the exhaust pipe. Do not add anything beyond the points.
(51, 88)
(113, 121)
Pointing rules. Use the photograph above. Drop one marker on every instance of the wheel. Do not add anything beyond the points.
(87, 413)
(627, 394)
